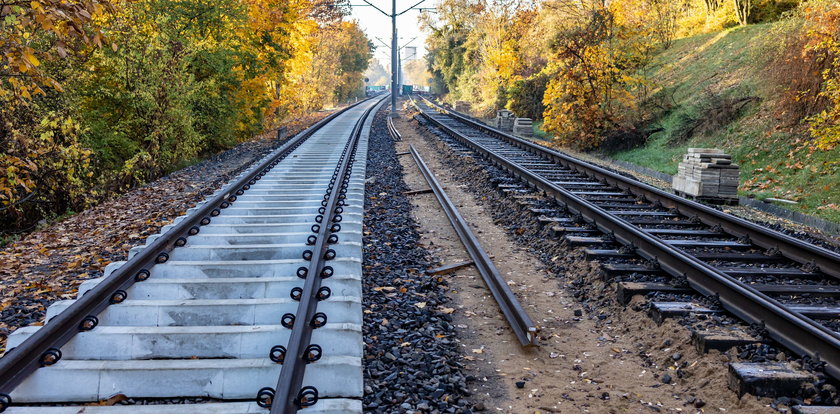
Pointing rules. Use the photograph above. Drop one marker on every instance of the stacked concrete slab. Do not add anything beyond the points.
(523, 127)
(707, 173)
(504, 120)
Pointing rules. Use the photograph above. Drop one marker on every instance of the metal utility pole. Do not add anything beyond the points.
(394, 56)
(394, 49)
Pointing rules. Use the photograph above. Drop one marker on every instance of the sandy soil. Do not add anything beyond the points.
(584, 364)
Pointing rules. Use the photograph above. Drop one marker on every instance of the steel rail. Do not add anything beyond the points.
(43, 347)
(522, 325)
(793, 330)
(288, 394)
(395, 135)
(797, 250)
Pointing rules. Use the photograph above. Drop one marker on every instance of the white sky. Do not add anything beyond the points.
(376, 24)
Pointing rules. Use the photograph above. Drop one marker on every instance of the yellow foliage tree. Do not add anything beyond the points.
(596, 56)
(823, 16)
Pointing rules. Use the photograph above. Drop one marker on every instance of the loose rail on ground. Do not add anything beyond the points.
(522, 325)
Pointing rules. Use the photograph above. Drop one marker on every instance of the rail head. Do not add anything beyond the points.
(290, 395)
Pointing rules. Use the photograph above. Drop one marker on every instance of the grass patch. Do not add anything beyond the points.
(731, 64)
(657, 154)
(539, 133)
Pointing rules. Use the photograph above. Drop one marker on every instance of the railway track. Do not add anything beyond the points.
(652, 241)
(251, 301)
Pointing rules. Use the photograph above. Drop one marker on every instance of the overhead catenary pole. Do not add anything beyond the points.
(395, 66)
(394, 56)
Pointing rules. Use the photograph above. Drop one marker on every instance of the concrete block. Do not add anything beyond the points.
(214, 311)
(168, 342)
(325, 406)
(74, 380)
(229, 288)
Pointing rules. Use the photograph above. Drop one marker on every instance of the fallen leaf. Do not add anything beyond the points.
(447, 310)
(113, 400)
(420, 305)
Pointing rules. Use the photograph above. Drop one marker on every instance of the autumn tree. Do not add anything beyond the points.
(40, 151)
(596, 57)
(416, 72)
(823, 33)
(99, 97)
(449, 28)
(376, 74)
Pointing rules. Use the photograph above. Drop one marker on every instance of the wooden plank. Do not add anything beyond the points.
(707, 243)
(767, 379)
(659, 311)
(683, 232)
(642, 213)
(721, 339)
(451, 267)
(769, 271)
(558, 230)
(620, 268)
(584, 241)
(415, 192)
(737, 256)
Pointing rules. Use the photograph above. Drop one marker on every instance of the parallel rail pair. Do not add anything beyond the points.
(43, 347)
(594, 202)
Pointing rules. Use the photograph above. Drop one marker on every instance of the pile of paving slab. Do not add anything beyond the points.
(707, 173)
(507, 121)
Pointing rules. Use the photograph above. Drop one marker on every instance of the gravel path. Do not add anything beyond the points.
(411, 353)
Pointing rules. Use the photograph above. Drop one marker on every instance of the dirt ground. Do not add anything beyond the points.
(582, 364)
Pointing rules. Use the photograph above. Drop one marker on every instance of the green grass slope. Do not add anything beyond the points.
(718, 90)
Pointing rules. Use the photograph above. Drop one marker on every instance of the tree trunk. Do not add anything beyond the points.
(712, 6)
(742, 11)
